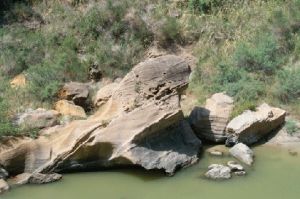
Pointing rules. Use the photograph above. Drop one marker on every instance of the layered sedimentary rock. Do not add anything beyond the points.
(251, 126)
(141, 124)
(210, 122)
(76, 92)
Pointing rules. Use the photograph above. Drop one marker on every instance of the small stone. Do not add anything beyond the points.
(3, 173)
(235, 166)
(240, 173)
(216, 153)
(218, 171)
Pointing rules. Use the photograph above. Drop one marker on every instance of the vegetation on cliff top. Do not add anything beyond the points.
(250, 49)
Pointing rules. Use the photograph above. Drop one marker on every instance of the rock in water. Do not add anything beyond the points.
(218, 171)
(76, 92)
(3, 186)
(39, 118)
(39, 178)
(243, 153)
(210, 122)
(141, 124)
(234, 166)
(251, 126)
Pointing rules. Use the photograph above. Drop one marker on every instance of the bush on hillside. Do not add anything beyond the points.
(203, 6)
(260, 55)
(288, 86)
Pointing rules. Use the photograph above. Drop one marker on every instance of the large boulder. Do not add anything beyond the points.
(39, 118)
(76, 92)
(210, 122)
(65, 107)
(251, 126)
(141, 124)
(243, 153)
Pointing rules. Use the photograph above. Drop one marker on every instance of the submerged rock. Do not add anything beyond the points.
(234, 166)
(251, 126)
(39, 178)
(3, 186)
(243, 153)
(218, 171)
(39, 118)
(141, 124)
(210, 122)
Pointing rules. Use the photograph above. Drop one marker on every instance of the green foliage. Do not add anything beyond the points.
(291, 127)
(288, 86)
(260, 55)
(203, 6)
(169, 32)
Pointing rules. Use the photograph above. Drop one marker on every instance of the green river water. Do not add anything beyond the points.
(275, 175)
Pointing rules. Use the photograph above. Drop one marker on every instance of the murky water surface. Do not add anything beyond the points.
(275, 175)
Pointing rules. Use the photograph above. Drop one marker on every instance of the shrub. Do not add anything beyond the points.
(291, 127)
(288, 86)
(260, 55)
(169, 32)
(203, 6)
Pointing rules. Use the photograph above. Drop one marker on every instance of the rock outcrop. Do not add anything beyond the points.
(243, 153)
(210, 122)
(251, 126)
(65, 107)
(76, 92)
(104, 94)
(39, 118)
(141, 124)
(3, 173)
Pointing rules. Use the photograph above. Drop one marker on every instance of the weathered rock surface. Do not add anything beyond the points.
(3, 186)
(140, 125)
(39, 118)
(104, 94)
(65, 107)
(243, 153)
(251, 126)
(39, 178)
(76, 92)
(218, 171)
(210, 122)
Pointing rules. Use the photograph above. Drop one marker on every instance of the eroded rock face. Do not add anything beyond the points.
(141, 124)
(251, 126)
(210, 122)
(39, 118)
